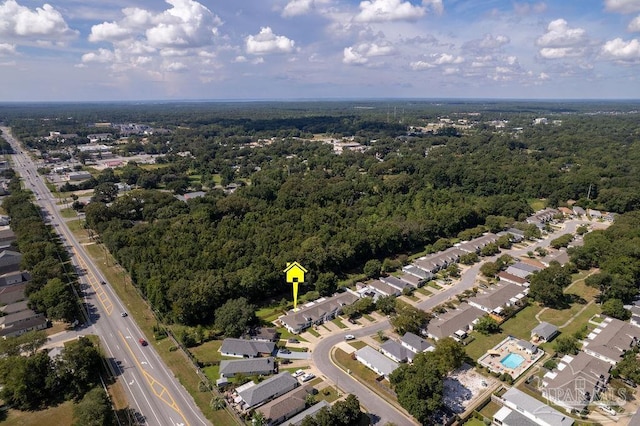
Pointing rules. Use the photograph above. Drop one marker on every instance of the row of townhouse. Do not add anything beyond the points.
(280, 399)
(543, 216)
(582, 379)
(317, 312)
(458, 322)
(426, 267)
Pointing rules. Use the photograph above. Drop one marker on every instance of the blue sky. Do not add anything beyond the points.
(77, 50)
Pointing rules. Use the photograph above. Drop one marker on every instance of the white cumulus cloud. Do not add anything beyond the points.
(559, 34)
(102, 56)
(634, 25)
(623, 51)
(491, 42)
(361, 53)
(266, 42)
(41, 23)
(622, 6)
(176, 67)
(7, 49)
(388, 10)
(301, 7)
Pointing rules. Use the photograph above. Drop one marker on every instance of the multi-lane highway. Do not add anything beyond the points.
(153, 392)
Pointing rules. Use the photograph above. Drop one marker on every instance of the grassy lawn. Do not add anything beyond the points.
(77, 226)
(411, 297)
(208, 351)
(68, 213)
(558, 317)
(285, 334)
(434, 285)
(212, 372)
(63, 415)
(537, 204)
(357, 369)
(269, 314)
(369, 317)
(490, 409)
(313, 332)
(520, 325)
(358, 344)
(424, 291)
(328, 394)
(326, 328)
(339, 323)
(582, 319)
(474, 422)
(297, 349)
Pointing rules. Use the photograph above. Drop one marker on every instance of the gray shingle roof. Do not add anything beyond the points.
(229, 368)
(311, 411)
(318, 310)
(374, 358)
(545, 330)
(415, 341)
(250, 348)
(271, 387)
(396, 350)
(457, 319)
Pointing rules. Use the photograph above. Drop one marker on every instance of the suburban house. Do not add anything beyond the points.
(561, 256)
(579, 211)
(595, 214)
(635, 313)
(396, 351)
(248, 367)
(417, 272)
(611, 339)
(528, 347)
(317, 312)
(522, 269)
(9, 261)
(13, 293)
(520, 409)
(383, 288)
(542, 217)
(264, 334)
(311, 411)
(438, 261)
(20, 322)
(396, 283)
(273, 387)
(243, 348)
(376, 361)
(286, 406)
(191, 195)
(544, 332)
(411, 279)
(415, 343)
(7, 236)
(454, 323)
(566, 211)
(517, 235)
(13, 278)
(496, 298)
(475, 245)
(576, 382)
(506, 277)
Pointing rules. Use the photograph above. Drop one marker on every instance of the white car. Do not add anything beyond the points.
(298, 373)
(349, 337)
(308, 377)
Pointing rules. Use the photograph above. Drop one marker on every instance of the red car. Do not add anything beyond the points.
(143, 342)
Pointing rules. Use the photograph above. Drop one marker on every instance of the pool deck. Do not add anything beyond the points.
(510, 345)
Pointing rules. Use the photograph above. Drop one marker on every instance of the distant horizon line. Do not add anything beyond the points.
(328, 99)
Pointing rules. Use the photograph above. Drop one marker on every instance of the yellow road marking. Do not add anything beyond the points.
(156, 387)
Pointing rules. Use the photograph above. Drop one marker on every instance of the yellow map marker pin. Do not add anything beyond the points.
(295, 275)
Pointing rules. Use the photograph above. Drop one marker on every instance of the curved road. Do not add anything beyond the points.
(154, 394)
(383, 412)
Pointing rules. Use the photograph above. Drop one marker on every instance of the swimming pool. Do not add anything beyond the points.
(512, 361)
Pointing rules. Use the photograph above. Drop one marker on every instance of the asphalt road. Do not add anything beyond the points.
(383, 412)
(153, 392)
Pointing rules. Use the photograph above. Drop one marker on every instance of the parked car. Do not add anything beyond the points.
(285, 351)
(293, 341)
(349, 337)
(352, 321)
(124, 314)
(298, 373)
(308, 377)
(142, 342)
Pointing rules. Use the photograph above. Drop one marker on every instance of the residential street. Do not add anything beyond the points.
(381, 410)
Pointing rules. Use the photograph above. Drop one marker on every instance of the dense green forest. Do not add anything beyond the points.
(298, 200)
